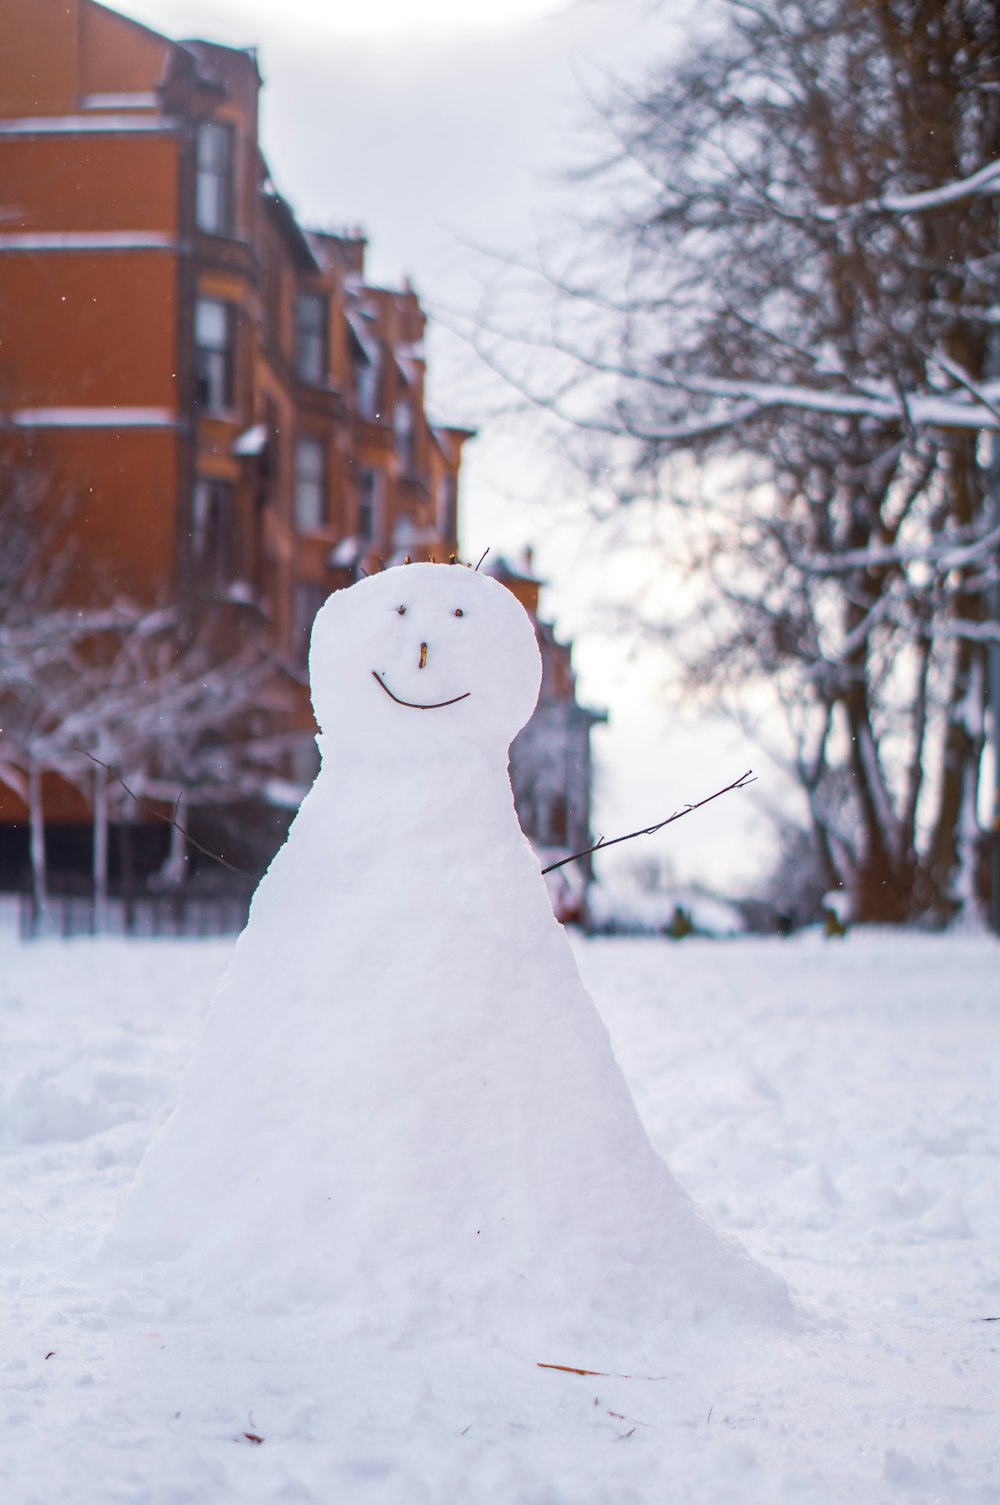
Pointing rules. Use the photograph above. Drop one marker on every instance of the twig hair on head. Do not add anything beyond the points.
(482, 557)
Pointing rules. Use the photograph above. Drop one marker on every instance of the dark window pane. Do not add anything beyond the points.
(368, 502)
(213, 534)
(214, 364)
(366, 384)
(406, 446)
(448, 506)
(306, 602)
(310, 338)
(214, 190)
(310, 485)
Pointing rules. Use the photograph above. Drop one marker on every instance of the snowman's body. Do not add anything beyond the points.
(404, 1095)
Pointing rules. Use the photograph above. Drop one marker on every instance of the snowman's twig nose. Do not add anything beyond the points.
(423, 654)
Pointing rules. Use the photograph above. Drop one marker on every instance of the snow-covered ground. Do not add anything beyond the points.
(836, 1105)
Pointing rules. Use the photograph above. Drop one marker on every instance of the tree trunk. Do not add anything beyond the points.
(175, 864)
(963, 745)
(36, 827)
(128, 874)
(955, 827)
(100, 853)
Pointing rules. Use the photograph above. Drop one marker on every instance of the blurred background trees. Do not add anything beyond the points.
(122, 703)
(778, 341)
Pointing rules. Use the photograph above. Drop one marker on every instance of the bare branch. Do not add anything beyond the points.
(169, 820)
(741, 783)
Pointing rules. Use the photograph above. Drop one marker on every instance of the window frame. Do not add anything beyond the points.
(215, 363)
(448, 505)
(214, 544)
(404, 429)
(369, 504)
(312, 342)
(311, 516)
(215, 180)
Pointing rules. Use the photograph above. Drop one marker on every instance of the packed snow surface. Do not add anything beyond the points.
(404, 1226)
(832, 1104)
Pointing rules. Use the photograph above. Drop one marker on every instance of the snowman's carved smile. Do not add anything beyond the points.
(415, 705)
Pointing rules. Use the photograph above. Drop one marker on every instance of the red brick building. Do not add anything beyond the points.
(236, 414)
(227, 420)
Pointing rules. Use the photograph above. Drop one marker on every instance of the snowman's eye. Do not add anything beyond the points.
(401, 610)
(459, 612)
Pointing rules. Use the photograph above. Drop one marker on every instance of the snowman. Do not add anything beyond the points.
(404, 1107)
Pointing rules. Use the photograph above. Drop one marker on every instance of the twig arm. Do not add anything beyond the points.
(741, 783)
(168, 820)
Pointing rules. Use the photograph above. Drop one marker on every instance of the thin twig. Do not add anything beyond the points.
(168, 820)
(741, 783)
(601, 1374)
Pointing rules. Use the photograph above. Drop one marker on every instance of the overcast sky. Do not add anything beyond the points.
(436, 125)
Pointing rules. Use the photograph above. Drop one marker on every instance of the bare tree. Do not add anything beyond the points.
(118, 700)
(779, 335)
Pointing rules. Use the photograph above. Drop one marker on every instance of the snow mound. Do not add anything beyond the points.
(404, 1109)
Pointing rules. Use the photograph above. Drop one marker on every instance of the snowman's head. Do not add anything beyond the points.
(423, 658)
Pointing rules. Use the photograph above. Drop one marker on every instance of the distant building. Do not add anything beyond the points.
(236, 397)
(550, 760)
(237, 414)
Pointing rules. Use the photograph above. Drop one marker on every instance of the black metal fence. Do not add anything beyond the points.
(148, 915)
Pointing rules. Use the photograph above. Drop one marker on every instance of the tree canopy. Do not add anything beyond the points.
(783, 333)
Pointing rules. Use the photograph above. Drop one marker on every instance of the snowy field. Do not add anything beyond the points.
(835, 1105)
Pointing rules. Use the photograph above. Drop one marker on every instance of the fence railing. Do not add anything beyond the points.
(150, 915)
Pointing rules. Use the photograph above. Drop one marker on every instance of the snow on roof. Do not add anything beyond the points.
(87, 240)
(113, 418)
(440, 430)
(282, 794)
(78, 125)
(368, 346)
(252, 441)
(293, 232)
(126, 101)
(442, 439)
(407, 368)
(241, 592)
(347, 553)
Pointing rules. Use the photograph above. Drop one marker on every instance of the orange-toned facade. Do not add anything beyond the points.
(237, 416)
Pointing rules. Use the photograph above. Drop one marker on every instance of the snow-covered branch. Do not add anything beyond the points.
(986, 180)
(949, 410)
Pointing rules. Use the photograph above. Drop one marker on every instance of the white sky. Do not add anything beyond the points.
(370, 18)
(440, 125)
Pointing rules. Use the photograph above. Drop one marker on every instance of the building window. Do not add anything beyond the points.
(369, 496)
(214, 362)
(214, 193)
(556, 820)
(311, 319)
(406, 447)
(310, 485)
(448, 507)
(366, 372)
(306, 602)
(213, 533)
